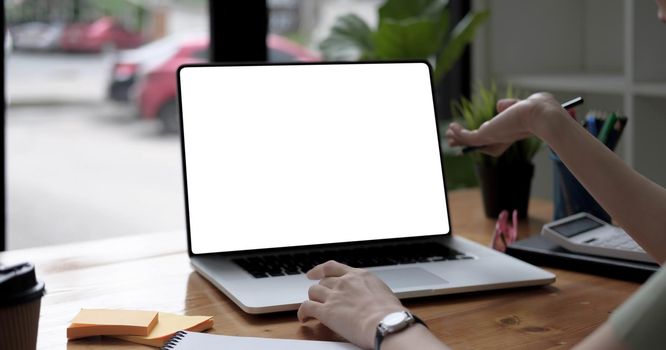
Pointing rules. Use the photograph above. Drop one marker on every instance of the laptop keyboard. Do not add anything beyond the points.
(297, 263)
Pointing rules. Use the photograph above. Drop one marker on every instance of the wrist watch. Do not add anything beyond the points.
(394, 323)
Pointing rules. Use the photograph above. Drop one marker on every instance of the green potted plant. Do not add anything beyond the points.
(505, 180)
(407, 29)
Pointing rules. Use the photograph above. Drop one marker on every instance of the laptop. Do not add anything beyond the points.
(289, 165)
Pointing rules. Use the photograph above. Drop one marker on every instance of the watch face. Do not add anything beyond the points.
(394, 319)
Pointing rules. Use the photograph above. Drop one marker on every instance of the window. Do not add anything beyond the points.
(89, 85)
(91, 150)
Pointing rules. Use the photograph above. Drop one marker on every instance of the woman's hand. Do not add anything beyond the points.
(349, 301)
(516, 120)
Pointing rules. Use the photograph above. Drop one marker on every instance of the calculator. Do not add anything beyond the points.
(585, 233)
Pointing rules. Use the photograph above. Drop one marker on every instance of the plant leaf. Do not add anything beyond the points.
(461, 35)
(350, 39)
(533, 147)
(405, 9)
(480, 109)
(407, 39)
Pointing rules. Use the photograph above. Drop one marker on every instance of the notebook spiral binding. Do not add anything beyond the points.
(171, 344)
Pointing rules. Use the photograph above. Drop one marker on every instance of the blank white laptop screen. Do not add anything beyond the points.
(294, 155)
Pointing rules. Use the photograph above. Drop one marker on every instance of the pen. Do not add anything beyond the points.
(566, 105)
(573, 102)
(607, 127)
(616, 133)
(591, 124)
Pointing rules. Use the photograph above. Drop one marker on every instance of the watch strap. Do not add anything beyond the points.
(379, 337)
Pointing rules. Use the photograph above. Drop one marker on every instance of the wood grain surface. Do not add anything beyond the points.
(152, 272)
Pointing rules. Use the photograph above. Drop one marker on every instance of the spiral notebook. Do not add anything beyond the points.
(202, 341)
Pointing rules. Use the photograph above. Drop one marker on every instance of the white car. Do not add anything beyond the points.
(42, 36)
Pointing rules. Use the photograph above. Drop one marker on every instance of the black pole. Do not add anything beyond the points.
(238, 30)
(76, 11)
(465, 63)
(3, 228)
(456, 82)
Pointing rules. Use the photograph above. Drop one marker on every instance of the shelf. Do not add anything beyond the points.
(650, 89)
(577, 83)
(590, 83)
(610, 52)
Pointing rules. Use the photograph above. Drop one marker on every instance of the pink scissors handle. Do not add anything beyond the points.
(504, 232)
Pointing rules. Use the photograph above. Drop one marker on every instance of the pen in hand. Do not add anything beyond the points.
(566, 105)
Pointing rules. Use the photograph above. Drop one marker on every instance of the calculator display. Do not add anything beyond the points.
(574, 227)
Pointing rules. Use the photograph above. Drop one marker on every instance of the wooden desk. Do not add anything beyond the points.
(152, 272)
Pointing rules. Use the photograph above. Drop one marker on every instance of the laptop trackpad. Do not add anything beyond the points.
(408, 277)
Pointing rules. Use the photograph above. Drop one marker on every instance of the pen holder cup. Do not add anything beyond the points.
(570, 197)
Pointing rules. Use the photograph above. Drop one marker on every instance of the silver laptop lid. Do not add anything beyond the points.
(288, 155)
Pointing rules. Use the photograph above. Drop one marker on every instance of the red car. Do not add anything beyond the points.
(156, 91)
(104, 34)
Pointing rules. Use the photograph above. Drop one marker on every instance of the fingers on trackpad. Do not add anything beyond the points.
(408, 277)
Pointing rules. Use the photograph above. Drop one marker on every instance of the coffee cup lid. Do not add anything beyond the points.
(18, 284)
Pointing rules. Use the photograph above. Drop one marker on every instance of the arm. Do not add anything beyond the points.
(602, 338)
(415, 337)
(636, 203)
(352, 301)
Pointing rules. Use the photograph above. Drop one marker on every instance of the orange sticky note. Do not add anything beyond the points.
(167, 325)
(92, 322)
